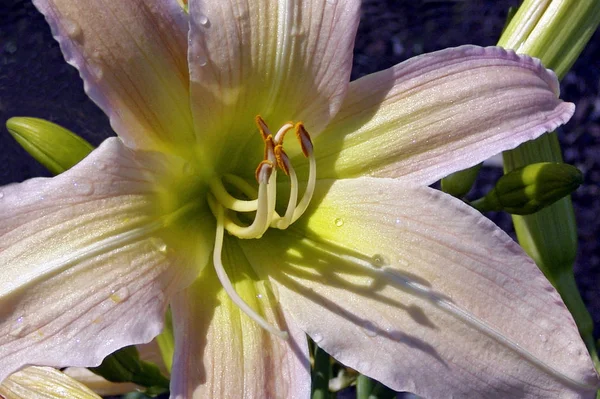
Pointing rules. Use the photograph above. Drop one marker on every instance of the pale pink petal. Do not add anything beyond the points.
(84, 260)
(132, 57)
(286, 60)
(380, 280)
(44, 383)
(222, 353)
(438, 113)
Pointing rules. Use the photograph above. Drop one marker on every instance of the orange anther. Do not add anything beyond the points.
(269, 148)
(282, 159)
(304, 139)
(264, 170)
(262, 127)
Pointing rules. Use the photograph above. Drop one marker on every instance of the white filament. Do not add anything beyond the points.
(226, 283)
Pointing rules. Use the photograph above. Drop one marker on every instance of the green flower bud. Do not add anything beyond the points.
(55, 147)
(459, 183)
(528, 189)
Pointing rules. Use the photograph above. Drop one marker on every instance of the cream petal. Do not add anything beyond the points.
(438, 113)
(285, 60)
(222, 353)
(43, 383)
(380, 280)
(85, 269)
(132, 57)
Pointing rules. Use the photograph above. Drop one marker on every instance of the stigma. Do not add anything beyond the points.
(254, 213)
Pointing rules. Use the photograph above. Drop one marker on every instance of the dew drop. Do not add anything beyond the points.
(543, 338)
(100, 165)
(95, 65)
(159, 244)
(83, 188)
(202, 61)
(370, 328)
(73, 29)
(259, 296)
(317, 338)
(203, 20)
(339, 222)
(18, 329)
(1, 195)
(379, 260)
(96, 71)
(120, 295)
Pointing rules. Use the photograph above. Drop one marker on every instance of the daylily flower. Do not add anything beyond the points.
(253, 241)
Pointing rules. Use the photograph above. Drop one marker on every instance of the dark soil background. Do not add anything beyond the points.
(35, 81)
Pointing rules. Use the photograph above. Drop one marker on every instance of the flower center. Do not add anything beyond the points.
(229, 210)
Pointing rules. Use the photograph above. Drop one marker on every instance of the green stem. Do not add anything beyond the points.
(567, 287)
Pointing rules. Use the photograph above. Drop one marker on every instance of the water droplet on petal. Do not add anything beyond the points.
(1, 195)
(203, 20)
(72, 29)
(82, 188)
(259, 296)
(159, 244)
(120, 295)
(18, 329)
(96, 71)
(379, 260)
(339, 222)
(95, 65)
(543, 338)
(317, 338)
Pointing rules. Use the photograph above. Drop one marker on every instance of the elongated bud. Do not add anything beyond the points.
(531, 188)
(459, 183)
(55, 147)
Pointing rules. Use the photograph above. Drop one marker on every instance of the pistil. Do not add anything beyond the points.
(226, 207)
(226, 283)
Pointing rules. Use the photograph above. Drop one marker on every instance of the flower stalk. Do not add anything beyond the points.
(555, 32)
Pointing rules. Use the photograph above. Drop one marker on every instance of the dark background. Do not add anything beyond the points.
(35, 81)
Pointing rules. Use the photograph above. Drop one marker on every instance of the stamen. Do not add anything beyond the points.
(263, 171)
(229, 201)
(282, 131)
(263, 200)
(226, 283)
(266, 194)
(284, 222)
(304, 139)
(262, 127)
(307, 150)
(282, 159)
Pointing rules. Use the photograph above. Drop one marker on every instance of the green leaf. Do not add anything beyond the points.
(125, 365)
